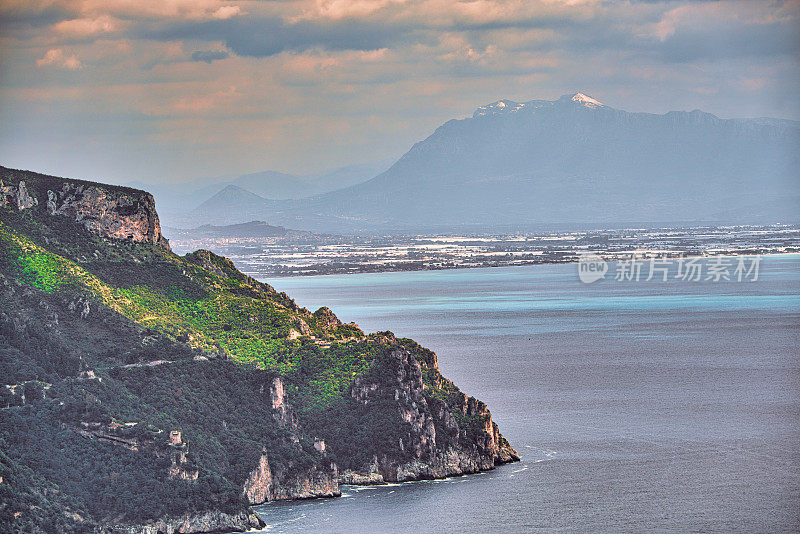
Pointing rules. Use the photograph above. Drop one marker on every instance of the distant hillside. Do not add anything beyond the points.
(252, 229)
(281, 186)
(233, 203)
(572, 161)
(178, 203)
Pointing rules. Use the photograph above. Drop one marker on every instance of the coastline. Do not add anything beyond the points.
(355, 488)
(263, 276)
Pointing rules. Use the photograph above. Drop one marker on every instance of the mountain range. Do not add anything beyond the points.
(174, 198)
(573, 162)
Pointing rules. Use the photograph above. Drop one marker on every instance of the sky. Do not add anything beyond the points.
(172, 90)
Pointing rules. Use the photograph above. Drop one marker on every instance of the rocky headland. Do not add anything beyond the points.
(189, 387)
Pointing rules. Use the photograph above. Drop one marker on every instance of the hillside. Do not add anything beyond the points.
(254, 229)
(570, 162)
(232, 203)
(144, 391)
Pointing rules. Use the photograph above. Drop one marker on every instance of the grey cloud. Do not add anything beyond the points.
(265, 37)
(751, 40)
(12, 19)
(209, 55)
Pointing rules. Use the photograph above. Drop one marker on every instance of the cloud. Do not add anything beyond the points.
(57, 58)
(209, 55)
(226, 12)
(268, 36)
(88, 27)
(389, 71)
(204, 102)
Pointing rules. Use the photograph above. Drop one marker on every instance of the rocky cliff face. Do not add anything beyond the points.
(436, 444)
(266, 483)
(213, 521)
(108, 211)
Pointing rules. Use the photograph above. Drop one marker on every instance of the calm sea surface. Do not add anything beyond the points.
(650, 406)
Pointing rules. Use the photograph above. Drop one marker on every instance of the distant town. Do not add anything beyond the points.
(302, 253)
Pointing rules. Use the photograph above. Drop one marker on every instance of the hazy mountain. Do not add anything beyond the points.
(176, 201)
(251, 229)
(273, 185)
(572, 161)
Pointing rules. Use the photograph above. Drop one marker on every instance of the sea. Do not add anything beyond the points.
(636, 405)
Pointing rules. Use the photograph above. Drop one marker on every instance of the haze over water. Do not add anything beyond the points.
(672, 406)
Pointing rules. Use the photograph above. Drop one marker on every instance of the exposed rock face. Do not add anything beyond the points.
(436, 446)
(213, 521)
(19, 196)
(258, 486)
(267, 484)
(282, 412)
(318, 481)
(180, 468)
(118, 213)
(368, 476)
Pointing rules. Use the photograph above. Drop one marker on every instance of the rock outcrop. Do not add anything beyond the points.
(109, 214)
(258, 486)
(108, 211)
(18, 196)
(436, 445)
(265, 483)
(212, 521)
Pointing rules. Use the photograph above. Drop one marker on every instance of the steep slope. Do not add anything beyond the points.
(144, 392)
(572, 161)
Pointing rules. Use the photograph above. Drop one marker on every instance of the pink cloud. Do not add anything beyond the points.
(86, 27)
(57, 58)
(226, 12)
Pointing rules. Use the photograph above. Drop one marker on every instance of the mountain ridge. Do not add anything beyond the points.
(564, 162)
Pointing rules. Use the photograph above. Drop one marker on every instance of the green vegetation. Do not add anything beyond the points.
(164, 292)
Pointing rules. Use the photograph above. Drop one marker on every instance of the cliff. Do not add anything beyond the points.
(108, 211)
(189, 387)
(433, 443)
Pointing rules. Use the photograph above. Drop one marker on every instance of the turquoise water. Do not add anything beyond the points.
(669, 406)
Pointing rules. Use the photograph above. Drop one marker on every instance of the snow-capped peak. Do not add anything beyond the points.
(586, 100)
(505, 107)
(501, 106)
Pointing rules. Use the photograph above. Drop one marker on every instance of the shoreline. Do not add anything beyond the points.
(265, 277)
(364, 487)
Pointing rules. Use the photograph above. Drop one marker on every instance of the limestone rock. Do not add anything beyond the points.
(433, 448)
(210, 521)
(258, 486)
(110, 214)
(119, 213)
(17, 196)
